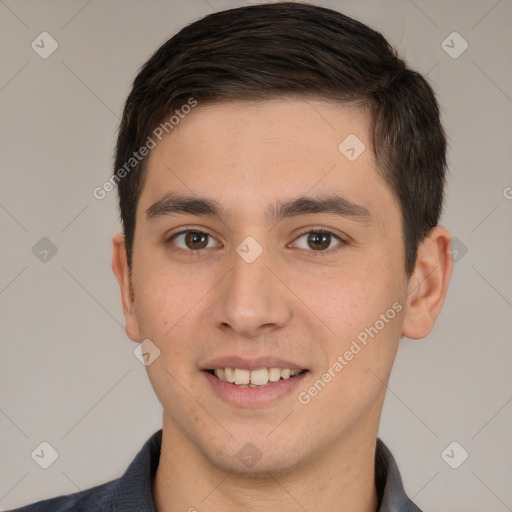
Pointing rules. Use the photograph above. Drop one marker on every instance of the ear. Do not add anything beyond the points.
(427, 286)
(124, 278)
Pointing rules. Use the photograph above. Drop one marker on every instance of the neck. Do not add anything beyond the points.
(341, 480)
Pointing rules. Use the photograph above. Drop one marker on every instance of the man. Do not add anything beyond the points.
(280, 175)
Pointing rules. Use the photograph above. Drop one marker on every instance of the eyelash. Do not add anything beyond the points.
(317, 231)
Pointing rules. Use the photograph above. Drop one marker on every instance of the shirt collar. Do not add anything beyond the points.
(134, 489)
(391, 492)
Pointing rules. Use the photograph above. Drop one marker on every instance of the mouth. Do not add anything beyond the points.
(252, 383)
(259, 377)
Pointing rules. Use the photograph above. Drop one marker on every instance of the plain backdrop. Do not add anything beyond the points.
(68, 375)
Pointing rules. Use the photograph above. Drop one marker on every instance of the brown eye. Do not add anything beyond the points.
(190, 241)
(319, 241)
(196, 240)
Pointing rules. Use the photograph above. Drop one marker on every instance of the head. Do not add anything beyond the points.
(293, 51)
(242, 113)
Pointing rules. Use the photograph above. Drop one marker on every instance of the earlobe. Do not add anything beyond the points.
(428, 284)
(124, 279)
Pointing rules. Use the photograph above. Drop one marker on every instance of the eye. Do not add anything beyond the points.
(320, 240)
(192, 240)
(313, 241)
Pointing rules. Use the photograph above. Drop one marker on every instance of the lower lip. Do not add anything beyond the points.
(253, 397)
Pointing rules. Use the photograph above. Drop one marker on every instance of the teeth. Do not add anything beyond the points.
(242, 376)
(229, 375)
(259, 377)
(274, 374)
(285, 374)
(254, 378)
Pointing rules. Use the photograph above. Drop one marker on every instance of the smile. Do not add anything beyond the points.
(254, 378)
(252, 382)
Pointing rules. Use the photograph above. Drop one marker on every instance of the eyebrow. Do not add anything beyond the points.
(176, 204)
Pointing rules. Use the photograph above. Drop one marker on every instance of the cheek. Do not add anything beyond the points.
(364, 302)
(364, 309)
(170, 308)
(163, 310)
(161, 300)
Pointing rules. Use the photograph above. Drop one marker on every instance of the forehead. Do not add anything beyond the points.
(246, 155)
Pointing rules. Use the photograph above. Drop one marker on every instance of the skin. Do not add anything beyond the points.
(291, 302)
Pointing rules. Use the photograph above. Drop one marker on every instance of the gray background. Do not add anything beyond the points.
(68, 375)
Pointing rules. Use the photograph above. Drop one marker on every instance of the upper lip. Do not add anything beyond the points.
(251, 363)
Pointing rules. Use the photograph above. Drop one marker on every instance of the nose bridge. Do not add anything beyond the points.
(251, 297)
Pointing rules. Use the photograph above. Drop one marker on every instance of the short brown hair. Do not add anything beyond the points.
(291, 49)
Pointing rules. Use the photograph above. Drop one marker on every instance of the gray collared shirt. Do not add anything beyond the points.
(132, 491)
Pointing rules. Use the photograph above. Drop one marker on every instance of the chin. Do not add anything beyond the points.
(255, 454)
(252, 462)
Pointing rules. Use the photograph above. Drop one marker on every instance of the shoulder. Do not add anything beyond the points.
(83, 501)
(131, 492)
(392, 495)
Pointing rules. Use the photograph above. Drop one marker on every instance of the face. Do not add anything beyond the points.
(257, 279)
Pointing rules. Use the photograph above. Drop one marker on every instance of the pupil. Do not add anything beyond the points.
(194, 238)
(318, 237)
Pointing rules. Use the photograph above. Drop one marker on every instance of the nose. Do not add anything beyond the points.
(251, 300)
